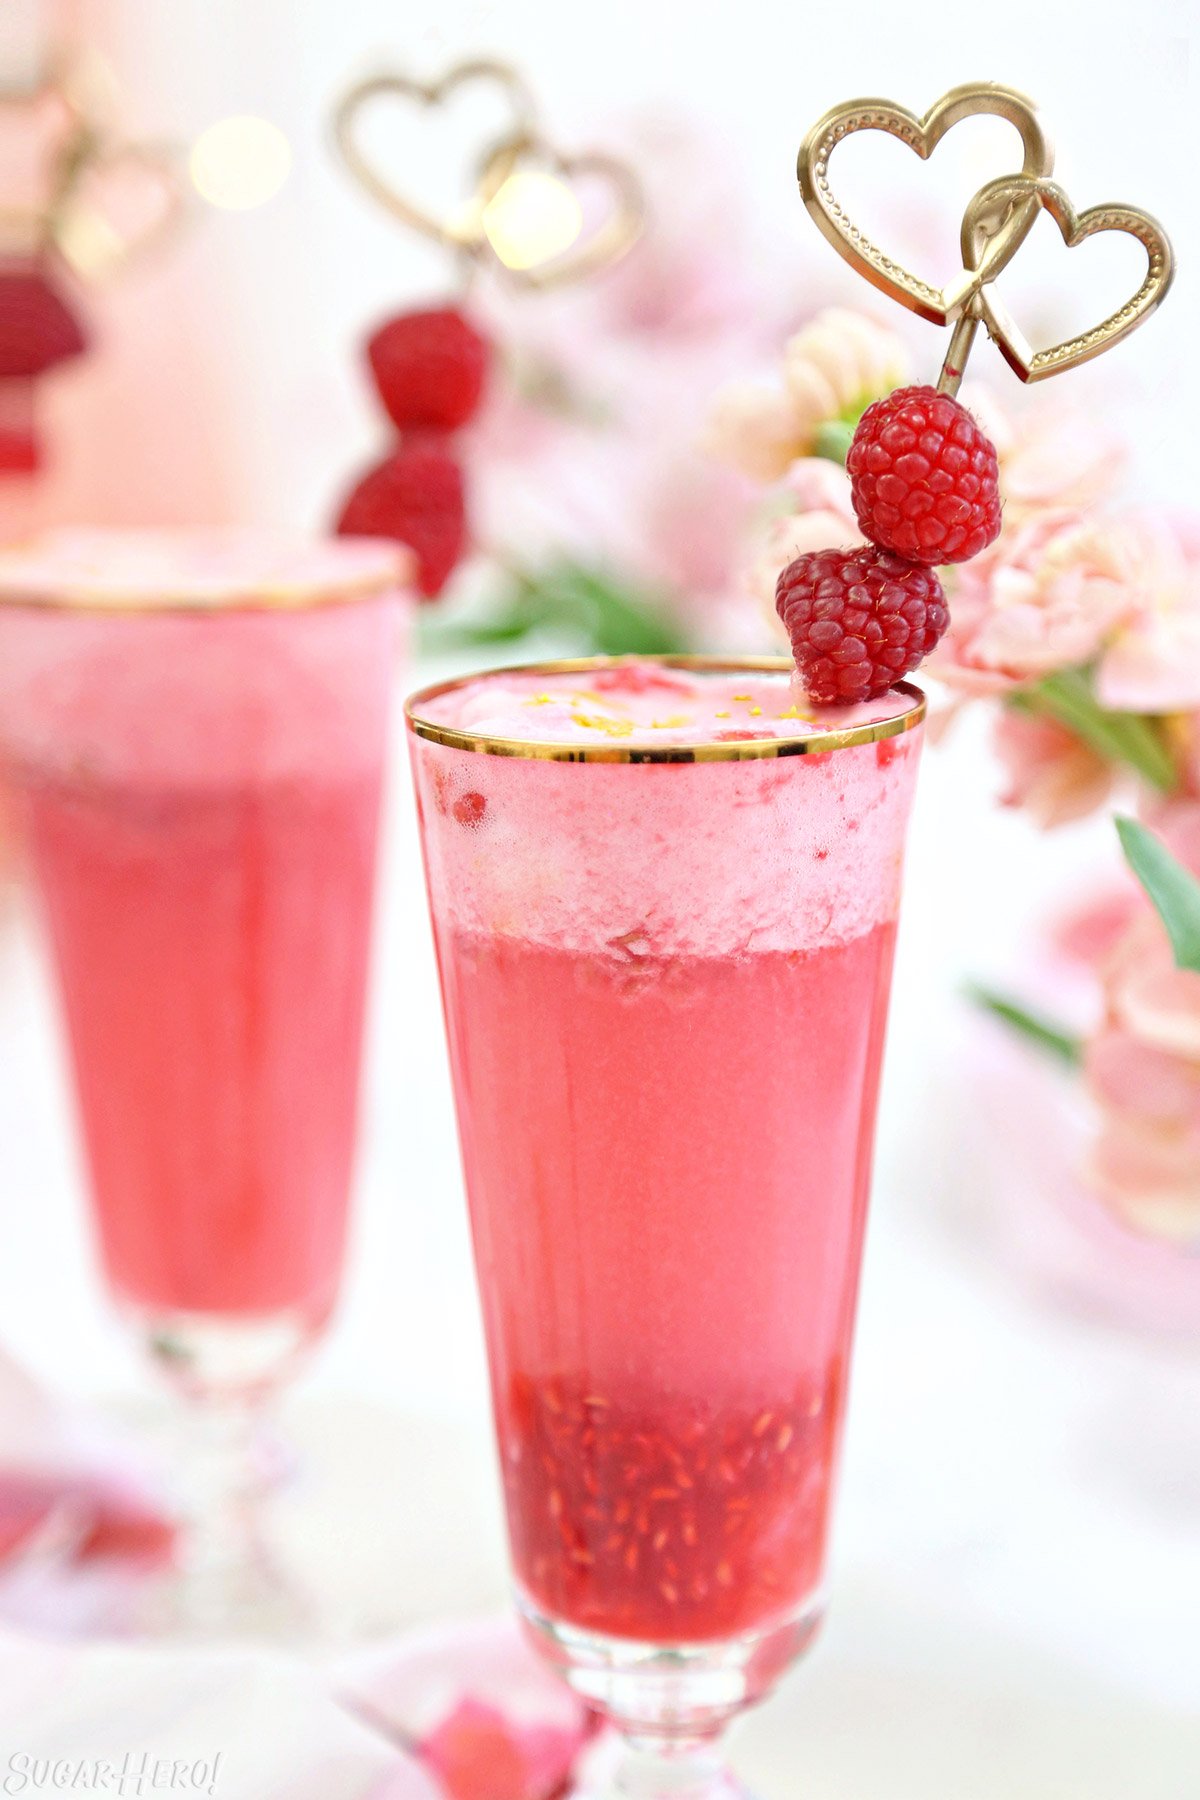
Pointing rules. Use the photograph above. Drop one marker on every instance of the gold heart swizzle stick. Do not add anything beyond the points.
(924, 478)
(522, 219)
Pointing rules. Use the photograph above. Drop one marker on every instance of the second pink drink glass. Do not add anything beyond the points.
(197, 726)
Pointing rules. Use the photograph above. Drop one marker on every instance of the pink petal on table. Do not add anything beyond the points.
(479, 1754)
(473, 1698)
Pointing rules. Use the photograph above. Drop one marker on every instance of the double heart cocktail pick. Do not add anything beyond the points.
(522, 148)
(995, 225)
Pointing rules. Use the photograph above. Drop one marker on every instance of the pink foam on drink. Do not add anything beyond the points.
(191, 658)
(651, 705)
(792, 857)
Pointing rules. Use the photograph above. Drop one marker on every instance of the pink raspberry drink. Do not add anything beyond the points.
(196, 726)
(665, 899)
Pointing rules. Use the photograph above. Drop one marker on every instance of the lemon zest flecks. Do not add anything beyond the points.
(612, 727)
(540, 700)
(593, 699)
(672, 723)
(722, 715)
(793, 712)
(743, 696)
(756, 712)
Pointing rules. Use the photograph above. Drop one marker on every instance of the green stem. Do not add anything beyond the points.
(1133, 739)
(1046, 1033)
(833, 439)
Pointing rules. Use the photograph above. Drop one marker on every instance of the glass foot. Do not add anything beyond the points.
(622, 1771)
(666, 1697)
(253, 1600)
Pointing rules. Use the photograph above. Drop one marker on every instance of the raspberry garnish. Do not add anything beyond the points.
(858, 620)
(37, 327)
(924, 479)
(415, 496)
(667, 1518)
(430, 368)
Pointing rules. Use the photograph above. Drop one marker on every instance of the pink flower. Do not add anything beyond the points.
(832, 369)
(1050, 772)
(753, 428)
(1061, 590)
(809, 510)
(1143, 1069)
(1056, 460)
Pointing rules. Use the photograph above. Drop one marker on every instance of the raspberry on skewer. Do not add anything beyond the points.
(430, 368)
(416, 496)
(924, 478)
(858, 620)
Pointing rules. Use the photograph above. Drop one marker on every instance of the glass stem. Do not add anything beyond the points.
(223, 1553)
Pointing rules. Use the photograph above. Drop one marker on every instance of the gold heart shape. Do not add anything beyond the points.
(123, 200)
(1036, 365)
(612, 239)
(464, 230)
(1006, 228)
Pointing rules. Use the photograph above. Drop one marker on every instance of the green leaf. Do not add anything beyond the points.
(832, 439)
(1049, 1036)
(1173, 889)
(597, 612)
(1133, 739)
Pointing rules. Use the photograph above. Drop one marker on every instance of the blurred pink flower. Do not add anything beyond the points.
(1050, 459)
(1065, 589)
(808, 510)
(1143, 1066)
(1050, 773)
(753, 428)
(831, 370)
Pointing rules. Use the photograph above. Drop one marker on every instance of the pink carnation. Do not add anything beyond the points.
(1050, 772)
(810, 510)
(1143, 1069)
(1065, 589)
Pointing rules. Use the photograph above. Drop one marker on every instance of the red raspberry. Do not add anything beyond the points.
(37, 326)
(430, 368)
(416, 496)
(923, 478)
(858, 620)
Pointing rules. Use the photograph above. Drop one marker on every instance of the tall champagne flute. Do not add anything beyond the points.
(664, 903)
(195, 725)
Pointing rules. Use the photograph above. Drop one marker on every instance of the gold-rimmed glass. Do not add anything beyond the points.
(665, 967)
(194, 725)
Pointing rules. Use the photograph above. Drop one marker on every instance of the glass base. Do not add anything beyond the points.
(618, 1772)
(255, 1599)
(227, 1581)
(675, 1697)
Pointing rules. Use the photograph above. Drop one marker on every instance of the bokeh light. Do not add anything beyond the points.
(240, 163)
(533, 218)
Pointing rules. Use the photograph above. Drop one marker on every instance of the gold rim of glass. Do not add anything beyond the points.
(802, 743)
